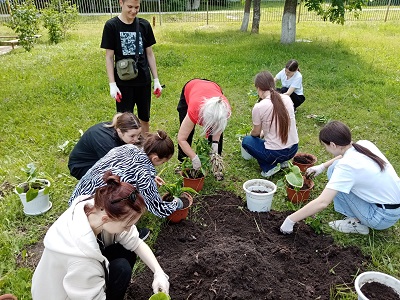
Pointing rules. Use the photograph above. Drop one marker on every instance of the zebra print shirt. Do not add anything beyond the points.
(134, 167)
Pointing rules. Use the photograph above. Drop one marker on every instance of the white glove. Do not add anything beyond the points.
(214, 148)
(157, 87)
(196, 163)
(179, 203)
(315, 170)
(160, 282)
(287, 226)
(114, 90)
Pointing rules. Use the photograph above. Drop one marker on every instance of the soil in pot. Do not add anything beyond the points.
(304, 159)
(226, 252)
(378, 291)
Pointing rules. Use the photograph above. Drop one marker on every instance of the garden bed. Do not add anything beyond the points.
(226, 252)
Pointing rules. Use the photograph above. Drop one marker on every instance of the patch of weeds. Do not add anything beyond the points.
(319, 119)
(66, 147)
(315, 223)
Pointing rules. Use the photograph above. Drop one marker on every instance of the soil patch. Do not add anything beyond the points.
(379, 291)
(223, 251)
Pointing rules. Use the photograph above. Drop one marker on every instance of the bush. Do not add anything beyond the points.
(24, 22)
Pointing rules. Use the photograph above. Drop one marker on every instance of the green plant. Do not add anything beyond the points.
(58, 17)
(25, 22)
(33, 183)
(203, 150)
(292, 177)
(176, 189)
(68, 145)
(160, 296)
(315, 223)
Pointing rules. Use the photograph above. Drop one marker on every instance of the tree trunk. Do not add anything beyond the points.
(288, 33)
(246, 16)
(256, 16)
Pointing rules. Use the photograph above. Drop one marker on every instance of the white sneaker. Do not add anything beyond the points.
(349, 225)
(270, 172)
(284, 164)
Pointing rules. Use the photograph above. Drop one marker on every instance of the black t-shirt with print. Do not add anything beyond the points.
(121, 38)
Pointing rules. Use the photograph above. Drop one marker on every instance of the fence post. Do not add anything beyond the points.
(207, 11)
(387, 10)
(110, 5)
(159, 10)
(298, 17)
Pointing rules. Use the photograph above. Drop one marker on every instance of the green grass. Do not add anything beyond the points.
(350, 74)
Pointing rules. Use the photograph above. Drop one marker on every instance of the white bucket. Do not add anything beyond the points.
(37, 206)
(260, 202)
(245, 154)
(382, 278)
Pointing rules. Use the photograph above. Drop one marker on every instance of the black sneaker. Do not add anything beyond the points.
(144, 233)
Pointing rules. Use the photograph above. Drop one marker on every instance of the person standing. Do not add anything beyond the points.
(363, 185)
(119, 39)
(292, 82)
(99, 139)
(273, 138)
(202, 102)
(91, 249)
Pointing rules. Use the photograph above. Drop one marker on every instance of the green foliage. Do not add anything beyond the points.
(292, 177)
(33, 183)
(160, 296)
(315, 223)
(176, 189)
(58, 17)
(68, 145)
(24, 22)
(203, 149)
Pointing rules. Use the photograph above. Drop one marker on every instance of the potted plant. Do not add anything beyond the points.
(195, 178)
(304, 160)
(298, 187)
(160, 296)
(34, 191)
(177, 190)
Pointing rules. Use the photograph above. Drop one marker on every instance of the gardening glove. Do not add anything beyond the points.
(316, 170)
(287, 226)
(196, 163)
(179, 203)
(157, 87)
(160, 282)
(214, 147)
(115, 92)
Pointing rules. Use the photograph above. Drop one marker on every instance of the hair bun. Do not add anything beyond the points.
(109, 178)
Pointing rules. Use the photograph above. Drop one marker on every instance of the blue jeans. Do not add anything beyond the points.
(369, 214)
(267, 159)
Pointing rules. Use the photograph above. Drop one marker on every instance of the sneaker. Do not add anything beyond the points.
(349, 225)
(270, 172)
(144, 233)
(284, 164)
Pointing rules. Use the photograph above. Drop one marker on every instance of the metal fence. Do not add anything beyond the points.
(209, 11)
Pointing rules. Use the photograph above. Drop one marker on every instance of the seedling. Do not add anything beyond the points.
(33, 184)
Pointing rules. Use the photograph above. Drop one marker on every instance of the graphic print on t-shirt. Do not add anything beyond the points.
(128, 43)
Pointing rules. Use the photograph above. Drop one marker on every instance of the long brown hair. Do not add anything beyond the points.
(338, 133)
(105, 196)
(265, 82)
(160, 144)
(124, 121)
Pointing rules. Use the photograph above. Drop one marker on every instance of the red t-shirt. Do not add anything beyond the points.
(196, 91)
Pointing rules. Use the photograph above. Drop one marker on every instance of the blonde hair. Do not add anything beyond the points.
(214, 114)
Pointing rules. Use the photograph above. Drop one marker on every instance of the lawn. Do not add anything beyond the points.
(350, 73)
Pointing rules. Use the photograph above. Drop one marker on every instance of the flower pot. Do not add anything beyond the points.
(39, 205)
(304, 160)
(303, 194)
(160, 296)
(244, 153)
(259, 194)
(382, 278)
(181, 214)
(195, 183)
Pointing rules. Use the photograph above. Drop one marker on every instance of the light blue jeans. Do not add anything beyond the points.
(369, 214)
(267, 159)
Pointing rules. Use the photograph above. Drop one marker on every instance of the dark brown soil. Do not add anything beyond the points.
(226, 252)
(260, 191)
(303, 159)
(379, 291)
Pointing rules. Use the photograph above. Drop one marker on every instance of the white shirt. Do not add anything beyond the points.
(359, 174)
(296, 81)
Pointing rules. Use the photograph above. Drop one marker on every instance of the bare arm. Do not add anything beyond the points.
(315, 206)
(256, 131)
(147, 256)
(152, 61)
(289, 91)
(110, 65)
(183, 134)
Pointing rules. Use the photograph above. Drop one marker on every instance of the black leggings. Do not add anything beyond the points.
(120, 270)
(296, 99)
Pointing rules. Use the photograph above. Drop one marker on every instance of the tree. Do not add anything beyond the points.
(334, 12)
(256, 16)
(246, 16)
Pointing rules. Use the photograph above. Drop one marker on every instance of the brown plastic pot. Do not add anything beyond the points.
(303, 157)
(181, 214)
(301, 195)
(194, 183)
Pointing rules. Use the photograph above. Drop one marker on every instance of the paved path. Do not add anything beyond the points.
(5, 49)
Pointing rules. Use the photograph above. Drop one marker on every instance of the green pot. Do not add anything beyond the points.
(160, 296)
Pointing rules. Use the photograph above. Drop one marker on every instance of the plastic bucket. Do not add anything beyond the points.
(256, 201)
(37, 206)
(244, 153)
(379, 277)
